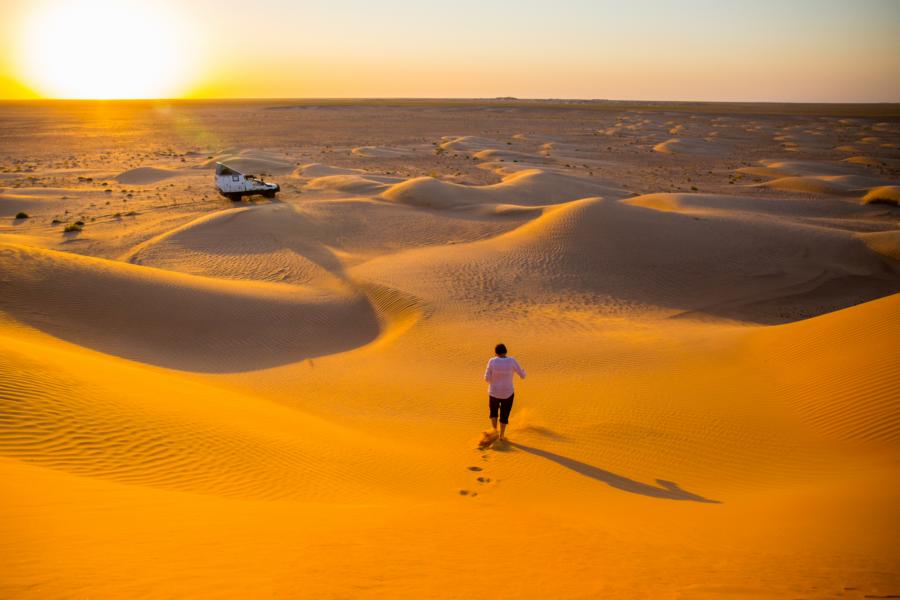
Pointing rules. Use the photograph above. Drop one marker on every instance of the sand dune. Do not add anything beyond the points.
(350, 184)
(240, 244)
(551, 255)
(35, 200)
(836, 178)
(313, 243)
(177, 320)
(502, 155)
(883, 242)
(847, 185)
(145, 175)
(690, 146)
(888, 194)
(379, 152)
(12, 204)
(526, 187)
(736, 206)
(252, 161)
(877, 162)
(327, 177)
(313, 170)
(469, 143)
(801, 168)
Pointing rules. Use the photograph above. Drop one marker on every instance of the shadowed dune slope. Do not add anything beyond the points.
(176, 320)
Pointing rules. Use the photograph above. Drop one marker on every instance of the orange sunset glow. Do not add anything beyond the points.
(581, 299)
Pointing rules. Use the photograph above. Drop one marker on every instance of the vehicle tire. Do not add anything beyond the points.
(270, 194)
(235, 197)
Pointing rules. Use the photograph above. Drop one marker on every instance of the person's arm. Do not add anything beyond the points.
(518, 368)
(488, 372)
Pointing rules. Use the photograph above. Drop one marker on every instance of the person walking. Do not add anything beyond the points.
(499, 375)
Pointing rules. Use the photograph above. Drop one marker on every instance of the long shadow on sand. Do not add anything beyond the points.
(667, 490)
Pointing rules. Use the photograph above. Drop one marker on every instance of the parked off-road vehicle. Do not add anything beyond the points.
(235, 185)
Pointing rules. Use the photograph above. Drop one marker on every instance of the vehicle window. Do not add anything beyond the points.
(235, 178)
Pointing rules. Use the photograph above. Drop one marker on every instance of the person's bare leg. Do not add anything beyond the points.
(494, 424)
(502, 431)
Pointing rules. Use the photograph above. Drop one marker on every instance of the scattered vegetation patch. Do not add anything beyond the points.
(21, 215)
(73, 227)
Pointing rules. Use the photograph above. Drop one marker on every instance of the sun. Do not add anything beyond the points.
(105, 49)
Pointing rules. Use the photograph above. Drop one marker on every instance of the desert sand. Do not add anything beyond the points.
(283, 398)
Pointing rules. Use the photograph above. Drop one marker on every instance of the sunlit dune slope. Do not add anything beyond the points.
(839, 370)
(85, 413)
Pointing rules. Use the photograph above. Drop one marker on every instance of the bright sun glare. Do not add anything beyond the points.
(104, 49)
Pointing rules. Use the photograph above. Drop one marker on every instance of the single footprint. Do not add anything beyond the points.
(484, 480)
(467, 493)
(475, 468)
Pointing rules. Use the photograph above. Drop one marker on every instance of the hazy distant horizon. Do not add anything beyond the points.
(805, 51)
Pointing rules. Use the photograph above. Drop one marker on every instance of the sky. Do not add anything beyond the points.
(722, 50)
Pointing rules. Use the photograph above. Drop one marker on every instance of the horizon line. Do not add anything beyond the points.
(883, 110)
(447, 98)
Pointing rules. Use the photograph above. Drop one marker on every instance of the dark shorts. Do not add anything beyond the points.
(501, 405)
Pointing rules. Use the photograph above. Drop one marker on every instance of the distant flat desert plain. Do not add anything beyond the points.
(283, 397)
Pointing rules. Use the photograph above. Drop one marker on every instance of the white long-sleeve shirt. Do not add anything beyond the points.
(499, 375)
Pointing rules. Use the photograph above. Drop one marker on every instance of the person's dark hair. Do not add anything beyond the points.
(500, 349)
